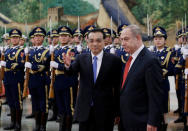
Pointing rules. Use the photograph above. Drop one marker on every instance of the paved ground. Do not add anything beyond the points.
(28, 124)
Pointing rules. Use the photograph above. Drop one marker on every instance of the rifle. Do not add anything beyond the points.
(2, 59)
(186, 66)
(186, 89)
(2, 70)
(51, 92)
(25, 91)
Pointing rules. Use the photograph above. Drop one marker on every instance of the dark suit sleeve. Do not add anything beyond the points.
(117, 82)
(153, 78)
(74, 67)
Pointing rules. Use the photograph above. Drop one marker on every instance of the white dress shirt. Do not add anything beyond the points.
(99, 61)
(135, 54)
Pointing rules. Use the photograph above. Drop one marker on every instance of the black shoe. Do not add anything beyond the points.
(181, 119)
(53, 118)
(58, 119)
(185, 128)
(5, 103)
(12, 126)
(75, 122)
(177, 111)
(30, 116)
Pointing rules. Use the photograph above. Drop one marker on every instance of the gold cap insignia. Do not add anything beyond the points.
(14, 31)
(159, 33)
(124, 26)
(54, 31)
(38, 30)
(105, 30)
(63, 29)
(157, 29)
(77, 31)
(91, 28)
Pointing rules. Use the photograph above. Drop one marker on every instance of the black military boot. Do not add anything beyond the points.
(185, 128)
(32, 115)
(54, 116)
(13, 120)
(62, 123)
(181, 119)
(37, 121)
(44, 117)
(68, 123)
(18, 120)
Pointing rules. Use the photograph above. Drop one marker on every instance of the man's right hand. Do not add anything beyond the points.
(67, 59)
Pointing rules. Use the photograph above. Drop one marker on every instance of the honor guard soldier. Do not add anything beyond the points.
(107, 40)
(179, 78)
(31, 48)
(77, 39)
(14, 65)
(38, 64)
(86, 31)
(22, 41)
(62, 84)
(31, 36)
(54, 46)
(6, 40)
(182, 71)
(164, 55)
(49, 38)
(6, 45)
(121, 52)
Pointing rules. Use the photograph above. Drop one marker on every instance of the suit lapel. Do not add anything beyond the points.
(90, 67)
(102, 68)
(133, 67)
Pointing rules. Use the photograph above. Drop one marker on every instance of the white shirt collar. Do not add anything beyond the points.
(15, 46)
(56, 46)
(38, 47)
(135, 54)
(78, 45)
(99, 56)
(63, 46)
(160, 50)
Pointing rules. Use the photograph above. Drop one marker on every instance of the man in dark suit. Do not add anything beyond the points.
(140, 93)
(98, 97)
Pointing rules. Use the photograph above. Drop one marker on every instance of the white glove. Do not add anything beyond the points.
(79, 48)
(28, 65)
(112, 50)
(51, 49)
(53, 64)
(3, 63)
(186, 71)
(151, 48)
(185, 53)
(1, 49)
(26, 50)
(176, 46)
(182, 48)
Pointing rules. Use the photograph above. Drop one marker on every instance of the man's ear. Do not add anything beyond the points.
(138, 37)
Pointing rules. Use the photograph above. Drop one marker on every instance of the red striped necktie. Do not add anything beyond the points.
(126, 70)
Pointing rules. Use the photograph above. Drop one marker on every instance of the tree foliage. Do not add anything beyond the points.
(162, 12)
(32, 10)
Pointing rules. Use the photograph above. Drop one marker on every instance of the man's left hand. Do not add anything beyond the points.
(117, 120)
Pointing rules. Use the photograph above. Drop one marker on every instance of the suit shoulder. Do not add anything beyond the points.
(109, 55)
(150, 57)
